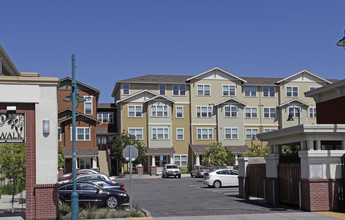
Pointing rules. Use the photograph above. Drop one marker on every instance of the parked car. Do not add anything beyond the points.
(86, 171)
(93, 194)
(103, 183)
(199, 171)
(67, 177)
(95, 176)
(222, 177)
(171, 170)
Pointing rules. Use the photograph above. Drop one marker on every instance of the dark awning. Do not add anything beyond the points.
(160, 151)
(81, 151)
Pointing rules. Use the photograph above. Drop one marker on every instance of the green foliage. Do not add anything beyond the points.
(257, 151)
(124, 139)
(184, 170)
(218, 155)
(61, 156)
(64, 209)
(8, 188)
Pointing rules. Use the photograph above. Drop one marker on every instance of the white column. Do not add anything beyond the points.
(303, 145)
(310, 145)
(172, 159)
(318, 145)
(94, 162)
(197, 162)
(153, 160)
(236, 159)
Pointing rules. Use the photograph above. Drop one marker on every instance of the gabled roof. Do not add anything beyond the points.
(10, 68)
(230, 99)
(334, 85)
(66, 118)
(138, 93)
(301, 72)
(294, 100)
(160, 96)
(217, 69)
(82, 84)
(261, 81)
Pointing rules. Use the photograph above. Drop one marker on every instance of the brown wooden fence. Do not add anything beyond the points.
(289, 175)
(256, 175)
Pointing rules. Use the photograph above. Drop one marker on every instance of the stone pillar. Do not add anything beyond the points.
(153, 166)
(140, 169)
(272, 162)
(310, 145)
(153, 161)
(303, 145)
(197, 162)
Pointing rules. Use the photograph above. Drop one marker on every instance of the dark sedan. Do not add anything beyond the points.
(93, 194)
(103, 183)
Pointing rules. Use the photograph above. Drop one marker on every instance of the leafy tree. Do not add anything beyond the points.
(61, 156)
(257, 151)
(12, 164)
(124, 139)
(218, 155)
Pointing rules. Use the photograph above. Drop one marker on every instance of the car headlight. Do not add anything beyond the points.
(123, 194)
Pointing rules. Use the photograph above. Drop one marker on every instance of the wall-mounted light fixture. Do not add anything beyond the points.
(46, 127)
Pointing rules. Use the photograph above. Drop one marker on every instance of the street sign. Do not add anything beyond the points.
(130, 151)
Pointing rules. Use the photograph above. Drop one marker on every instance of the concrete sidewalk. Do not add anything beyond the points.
(19, 206)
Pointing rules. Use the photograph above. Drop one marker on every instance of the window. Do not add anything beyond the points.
(84, 163)
(136, 132)
(125, 89)
(269, 129)
(101, 139)
(295, 111)
(229, 90)
(204, 133)
(204, 90)
(59, 134)
(179, 111)
(251, 133)
(179, 90)
(181, 160)
(162, 89)
(135, 111)
(231, 133)
(230, 111)
(312, 112)
(204, 111)
(82, 134)
(159, 111)
(269, 91)
(160, 133)
(179, 134)
(250, 91)
(311, 88)
(292, 91)
(88, 105)
(106, 117)
(251, 112)
(269, 112)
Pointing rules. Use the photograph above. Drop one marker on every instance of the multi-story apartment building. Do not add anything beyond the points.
(177, 117)
(86, 122)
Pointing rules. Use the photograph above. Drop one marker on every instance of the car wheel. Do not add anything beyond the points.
(191, 175)
(163, 175)
(112, 202)
(60, 202)
(217, 184)
(179, 176)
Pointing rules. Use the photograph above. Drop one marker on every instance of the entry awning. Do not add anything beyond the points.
(160, 151)
(81, 151)
(200, 149)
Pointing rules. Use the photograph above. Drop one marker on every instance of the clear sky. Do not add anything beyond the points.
(115, 40)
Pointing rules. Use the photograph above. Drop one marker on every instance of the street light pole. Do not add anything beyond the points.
(74, 196)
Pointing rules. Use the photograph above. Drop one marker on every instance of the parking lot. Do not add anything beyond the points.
(189, 197)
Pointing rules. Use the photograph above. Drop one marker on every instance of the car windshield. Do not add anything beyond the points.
(172, 167)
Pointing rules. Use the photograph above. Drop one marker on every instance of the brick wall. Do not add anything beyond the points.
(46, 201)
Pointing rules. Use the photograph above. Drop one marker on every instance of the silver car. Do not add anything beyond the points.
(171, 170)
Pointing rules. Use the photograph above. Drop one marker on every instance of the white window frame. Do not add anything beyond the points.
(233, 135)
(229, 90)
(88, 102)
(269, 129)
(185, 156)
(271, 110)
(312, 114)
(84, 134)
(164, 111)
(155, 133)
(177, 134)
(251, 93)
(311, 88)
(135, 111)
(123, 89)
(179, 90)
(203, 90)
(209, 111)
(160, 90)
(100, 116)
(232, 113)
(209, 133)
(251, 112)
(269, 92)
(182, 109)
(59, 133)
(252, 133)
(292, 91)
(136, 133)
(295, 112)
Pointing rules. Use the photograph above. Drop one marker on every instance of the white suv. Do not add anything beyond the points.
(171, 170)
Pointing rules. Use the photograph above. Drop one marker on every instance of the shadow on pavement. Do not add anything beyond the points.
(262, 203)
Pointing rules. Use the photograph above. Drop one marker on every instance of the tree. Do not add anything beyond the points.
(124, 139)
(218, 155)
(12, 164)
(257, 151)
(61, 156)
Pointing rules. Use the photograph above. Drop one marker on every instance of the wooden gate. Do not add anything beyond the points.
(289, 175)
(256, 174)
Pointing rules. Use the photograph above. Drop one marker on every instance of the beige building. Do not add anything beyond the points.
(177, 117)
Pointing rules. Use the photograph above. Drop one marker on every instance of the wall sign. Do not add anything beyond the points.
(12, 127)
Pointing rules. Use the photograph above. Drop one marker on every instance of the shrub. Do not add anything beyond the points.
(184, 170)
(8, 188)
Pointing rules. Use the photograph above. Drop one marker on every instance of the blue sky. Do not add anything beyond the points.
(116, 40)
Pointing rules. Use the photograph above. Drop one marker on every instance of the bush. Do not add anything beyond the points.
(184, 170)
(7, 189)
